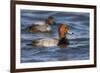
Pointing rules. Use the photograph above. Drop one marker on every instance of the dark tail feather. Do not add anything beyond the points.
(34, 43)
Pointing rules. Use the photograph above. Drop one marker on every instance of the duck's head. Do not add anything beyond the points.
(63, 30)
(50, 20)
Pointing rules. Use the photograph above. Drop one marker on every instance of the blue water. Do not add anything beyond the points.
(78, 49)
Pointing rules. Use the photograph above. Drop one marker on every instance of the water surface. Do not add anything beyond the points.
(78, 48)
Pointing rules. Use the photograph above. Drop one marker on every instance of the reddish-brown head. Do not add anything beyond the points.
(50, 20)
(63, 30)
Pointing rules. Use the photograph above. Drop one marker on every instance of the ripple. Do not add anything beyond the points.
(78, 49)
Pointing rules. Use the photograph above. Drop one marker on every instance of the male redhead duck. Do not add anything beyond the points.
(49, 42)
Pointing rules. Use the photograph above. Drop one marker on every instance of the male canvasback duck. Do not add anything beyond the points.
(49, 42)
(42, 26)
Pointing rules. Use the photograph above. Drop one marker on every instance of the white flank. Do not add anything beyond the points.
(47, 42)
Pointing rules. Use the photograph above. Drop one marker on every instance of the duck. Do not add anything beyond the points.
(42, 26)
(50, 42)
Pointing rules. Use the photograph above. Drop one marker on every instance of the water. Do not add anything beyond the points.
(78, 48)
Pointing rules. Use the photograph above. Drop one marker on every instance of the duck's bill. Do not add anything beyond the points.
(70, 32)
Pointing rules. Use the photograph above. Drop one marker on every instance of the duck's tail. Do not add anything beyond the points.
(34, 43)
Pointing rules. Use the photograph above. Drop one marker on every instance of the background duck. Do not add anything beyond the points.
(48, 42)
(42, 26)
